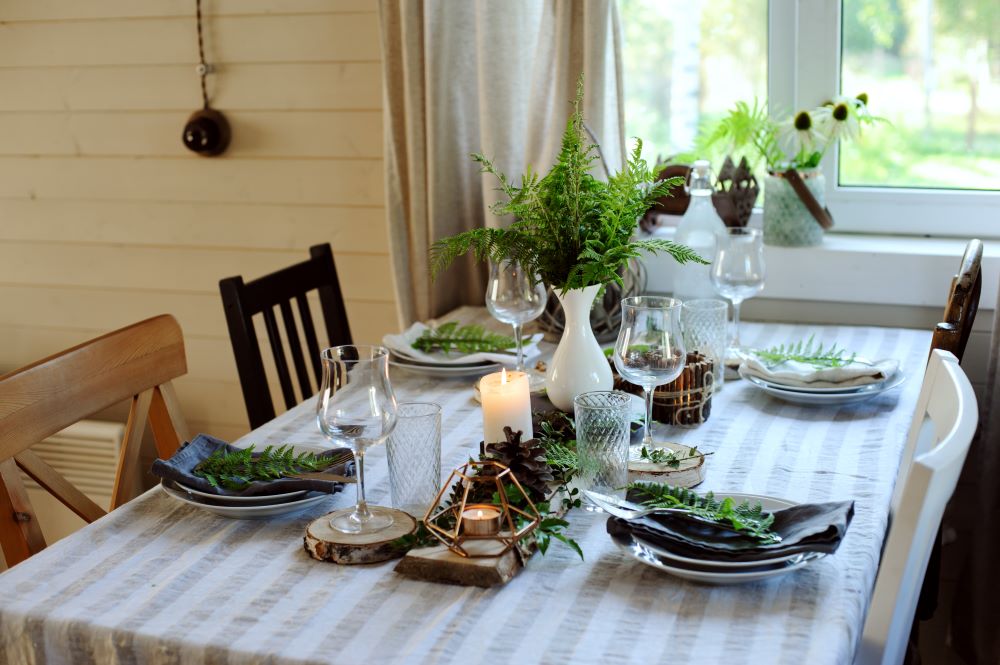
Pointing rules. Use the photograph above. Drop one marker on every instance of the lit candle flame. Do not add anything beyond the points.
(503, 375)
(479, 514)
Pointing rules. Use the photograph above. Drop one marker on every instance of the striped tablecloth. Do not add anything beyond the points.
(160, 582)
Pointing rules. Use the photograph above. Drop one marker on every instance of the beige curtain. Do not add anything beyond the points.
(465, 76)
(975, 625)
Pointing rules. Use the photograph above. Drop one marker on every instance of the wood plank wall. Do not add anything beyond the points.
(106, 219)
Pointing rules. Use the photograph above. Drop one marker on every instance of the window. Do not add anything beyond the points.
(930, 67)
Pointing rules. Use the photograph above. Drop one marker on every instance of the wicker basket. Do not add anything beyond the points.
(687, 400)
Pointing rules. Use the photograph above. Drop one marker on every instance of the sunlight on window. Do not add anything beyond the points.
(687, 63)
(932, 69)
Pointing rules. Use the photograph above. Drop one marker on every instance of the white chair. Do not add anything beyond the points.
(939, 438)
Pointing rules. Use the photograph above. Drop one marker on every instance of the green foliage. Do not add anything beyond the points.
(667, 457)
(472, 338)
(745, 130)
(806, 352)
(570, 228)
(746, 518)
(236, 470)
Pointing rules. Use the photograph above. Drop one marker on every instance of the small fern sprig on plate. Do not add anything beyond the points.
(807, 352)
(670, 458)
(451, 336)
(238, 469)
(749, 519)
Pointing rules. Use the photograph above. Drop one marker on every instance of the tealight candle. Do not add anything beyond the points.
(480, 519)
(506, 401)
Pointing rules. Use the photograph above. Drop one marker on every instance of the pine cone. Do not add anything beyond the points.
(526, 459)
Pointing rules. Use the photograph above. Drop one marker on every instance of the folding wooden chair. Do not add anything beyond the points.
(135, 363)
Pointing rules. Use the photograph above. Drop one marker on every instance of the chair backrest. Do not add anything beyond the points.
(135, 363)
(243, 300)
(952, 334)
(940, 435)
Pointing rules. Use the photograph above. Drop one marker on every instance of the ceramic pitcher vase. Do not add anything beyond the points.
(578, 365)
(787, 221)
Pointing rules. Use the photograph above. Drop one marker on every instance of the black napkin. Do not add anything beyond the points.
(809, 527)
(180, 468)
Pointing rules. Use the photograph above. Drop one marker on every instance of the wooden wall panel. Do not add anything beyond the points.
(105, 219)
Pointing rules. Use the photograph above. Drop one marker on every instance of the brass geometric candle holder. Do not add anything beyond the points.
(470, 524)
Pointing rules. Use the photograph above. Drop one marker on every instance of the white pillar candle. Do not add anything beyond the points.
(506, 403)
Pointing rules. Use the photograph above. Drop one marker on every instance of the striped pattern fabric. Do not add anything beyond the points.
(160, 582)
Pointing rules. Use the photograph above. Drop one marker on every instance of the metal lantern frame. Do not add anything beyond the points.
(470, 475)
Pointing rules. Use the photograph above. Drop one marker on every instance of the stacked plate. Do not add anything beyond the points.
(823, 396)
(454, 369)
(244, 507)
(711, 571)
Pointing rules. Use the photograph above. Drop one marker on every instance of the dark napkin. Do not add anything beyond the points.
(180, 468)
(809, 527)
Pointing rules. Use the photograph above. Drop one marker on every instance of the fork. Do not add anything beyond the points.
(627, 510)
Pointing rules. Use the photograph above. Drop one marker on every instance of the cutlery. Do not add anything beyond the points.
(627, 510)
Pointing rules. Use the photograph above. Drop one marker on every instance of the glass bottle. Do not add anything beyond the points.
(699, 229)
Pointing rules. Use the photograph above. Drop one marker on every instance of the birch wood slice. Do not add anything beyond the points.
(441, 565)
(689, 474)
(325, 543)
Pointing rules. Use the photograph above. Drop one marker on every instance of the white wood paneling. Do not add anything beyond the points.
(105, 219)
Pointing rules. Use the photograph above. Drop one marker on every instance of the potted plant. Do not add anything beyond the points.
(795, 213)
(575, 233)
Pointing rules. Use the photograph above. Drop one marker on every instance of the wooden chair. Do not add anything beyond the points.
(242, 301)
(942, 429)
(952, 334)
(135, 363)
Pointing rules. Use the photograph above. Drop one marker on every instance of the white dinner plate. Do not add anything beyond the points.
(794, 395)
(761, 381)
(260, 499)
(246, 512)
(431, 369)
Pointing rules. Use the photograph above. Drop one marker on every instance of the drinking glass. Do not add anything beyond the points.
(602, 436)
(414, 449)
(357, 409)
(738, 271)
(650, 348)
(704, 321)
(515, 296)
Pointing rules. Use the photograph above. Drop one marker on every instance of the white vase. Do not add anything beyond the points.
(578, 365)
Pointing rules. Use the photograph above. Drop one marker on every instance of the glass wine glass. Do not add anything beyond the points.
(357, 409)
(515, 296)
(738, 271)
(650, 348)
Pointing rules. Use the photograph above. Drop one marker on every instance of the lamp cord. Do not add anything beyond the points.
(203, 67)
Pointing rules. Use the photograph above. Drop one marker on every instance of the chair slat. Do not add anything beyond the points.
(129, 465)
(59, 487)
(20, 533)
(278, 352)
(312, 344)
(295, 347)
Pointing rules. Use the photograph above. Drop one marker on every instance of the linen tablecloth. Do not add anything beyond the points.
(160, 582)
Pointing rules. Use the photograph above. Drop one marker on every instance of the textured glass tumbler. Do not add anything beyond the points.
(602, 438)
(415, 457)
(705, 323)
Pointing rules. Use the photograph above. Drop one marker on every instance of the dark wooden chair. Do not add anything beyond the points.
(244, 300)
(952, 335)
(135, 363)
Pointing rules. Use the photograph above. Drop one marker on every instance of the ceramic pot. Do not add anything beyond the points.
(578, 365)
(787, 221)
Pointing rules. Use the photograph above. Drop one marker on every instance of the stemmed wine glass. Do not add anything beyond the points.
(357, 409)
(738, 271)
(650, 348)
(515, 296)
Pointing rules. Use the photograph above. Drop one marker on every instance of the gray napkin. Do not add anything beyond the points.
(809, 527)
(180, 468)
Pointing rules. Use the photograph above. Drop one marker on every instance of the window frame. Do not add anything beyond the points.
(804, 47)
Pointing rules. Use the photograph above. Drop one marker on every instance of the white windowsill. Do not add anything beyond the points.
(860, 268)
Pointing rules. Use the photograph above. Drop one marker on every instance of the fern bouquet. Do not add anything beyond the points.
(569, 228)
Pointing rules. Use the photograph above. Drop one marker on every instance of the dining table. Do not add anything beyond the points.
(158, 581)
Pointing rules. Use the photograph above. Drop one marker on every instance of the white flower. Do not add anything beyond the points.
(802, 134)
(839, 119)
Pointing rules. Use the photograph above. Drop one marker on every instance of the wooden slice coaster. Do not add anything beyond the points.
(689, 473)
(325, 543)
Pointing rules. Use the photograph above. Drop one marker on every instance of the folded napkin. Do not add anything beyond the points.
(809, 527)
(804, 375)
(180, 468)
(402, 345)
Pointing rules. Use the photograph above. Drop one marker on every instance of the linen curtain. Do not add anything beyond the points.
(465, 76)
(976, 608)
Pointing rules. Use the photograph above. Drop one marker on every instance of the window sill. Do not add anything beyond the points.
(859, 268)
